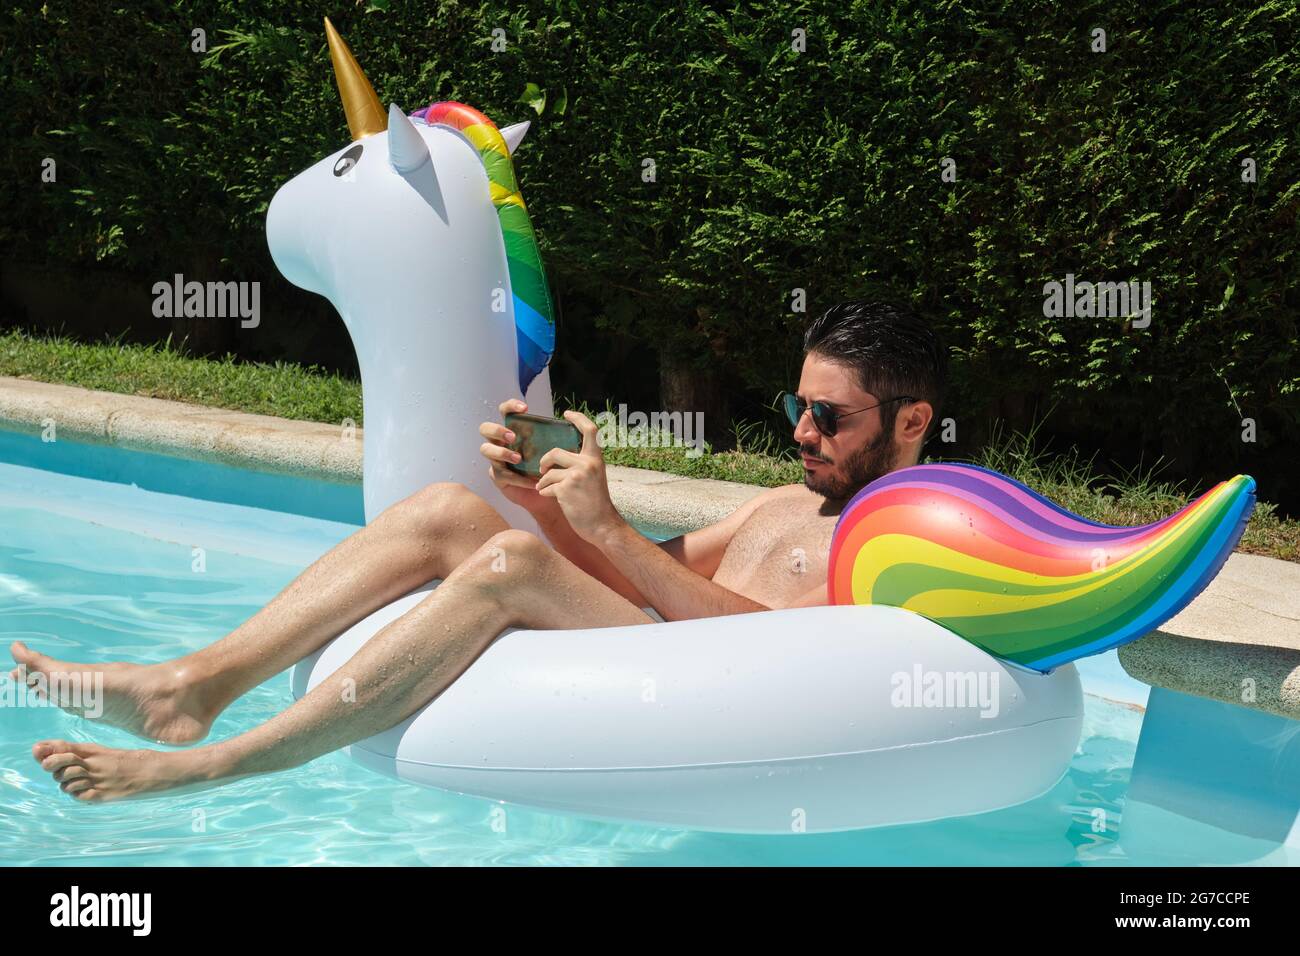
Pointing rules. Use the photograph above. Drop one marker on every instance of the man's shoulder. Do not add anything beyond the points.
(797, 490)
(742, 513)
(780, 504)
(780, 493)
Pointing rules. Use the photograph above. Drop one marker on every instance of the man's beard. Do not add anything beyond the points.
(856, 472)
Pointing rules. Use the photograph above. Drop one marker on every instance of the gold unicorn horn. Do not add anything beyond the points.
(365, 115)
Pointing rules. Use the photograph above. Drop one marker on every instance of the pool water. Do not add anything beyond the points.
(98, 563)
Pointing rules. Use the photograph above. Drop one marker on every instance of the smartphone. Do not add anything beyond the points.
(535, 435)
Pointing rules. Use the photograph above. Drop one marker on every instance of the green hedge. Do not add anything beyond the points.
(775, 170)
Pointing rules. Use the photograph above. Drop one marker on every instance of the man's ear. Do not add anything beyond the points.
(914, 421)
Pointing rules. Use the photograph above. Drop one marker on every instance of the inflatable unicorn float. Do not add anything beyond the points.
(938, 680)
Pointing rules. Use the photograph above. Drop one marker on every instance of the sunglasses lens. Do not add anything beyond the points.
(824, 419)
(792, 410)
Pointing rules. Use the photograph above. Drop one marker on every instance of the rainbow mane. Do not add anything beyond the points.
(1019, 576)
(534, 314)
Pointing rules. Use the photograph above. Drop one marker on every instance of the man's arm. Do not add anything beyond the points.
(576, 480)
(685, 591)
(670, 587)
(700, 550)
(522, 490)
(585, 555)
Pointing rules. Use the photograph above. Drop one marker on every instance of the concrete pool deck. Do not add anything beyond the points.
(1239, 642)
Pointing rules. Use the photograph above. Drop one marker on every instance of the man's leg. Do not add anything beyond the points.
(514, 579)
(416, 540)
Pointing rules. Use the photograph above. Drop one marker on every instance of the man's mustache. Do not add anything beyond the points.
(804, 449)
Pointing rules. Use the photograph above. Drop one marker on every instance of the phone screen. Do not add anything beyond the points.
(535, 436)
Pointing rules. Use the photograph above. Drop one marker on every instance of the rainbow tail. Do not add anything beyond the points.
(1000, 565)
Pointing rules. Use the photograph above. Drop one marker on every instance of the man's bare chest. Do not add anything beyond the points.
(780, 553)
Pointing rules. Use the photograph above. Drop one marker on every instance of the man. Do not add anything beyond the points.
(872, 379)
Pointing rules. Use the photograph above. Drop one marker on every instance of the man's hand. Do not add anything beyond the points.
(577, 481)
(520, 489)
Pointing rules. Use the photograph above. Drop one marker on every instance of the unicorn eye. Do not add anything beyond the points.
(348, 160)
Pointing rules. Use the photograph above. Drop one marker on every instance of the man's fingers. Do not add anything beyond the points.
(496, 432)
(493, 452)
(515, 405)
(558, 456)
(548, 478)
(590, 433)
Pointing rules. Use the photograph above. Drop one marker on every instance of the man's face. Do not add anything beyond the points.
(859, 452)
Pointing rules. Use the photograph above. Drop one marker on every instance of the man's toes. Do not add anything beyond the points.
(43, 748)
(74, 787)
(70, 772)
(25, 655)
(48, 748)
(60, 761)
(89, 795)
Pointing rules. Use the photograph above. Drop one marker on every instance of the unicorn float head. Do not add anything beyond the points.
(417, 233)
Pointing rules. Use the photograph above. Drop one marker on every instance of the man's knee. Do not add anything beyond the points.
(442, 505)
(508, 560)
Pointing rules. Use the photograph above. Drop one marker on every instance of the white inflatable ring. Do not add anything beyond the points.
(781, 721)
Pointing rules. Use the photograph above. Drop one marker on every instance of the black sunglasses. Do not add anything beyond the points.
(826, 419)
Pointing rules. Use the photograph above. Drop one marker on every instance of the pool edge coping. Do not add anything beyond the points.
(315, 450)
(1232, 636)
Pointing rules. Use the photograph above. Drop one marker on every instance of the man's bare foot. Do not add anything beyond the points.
(95, 774)
(153, 701)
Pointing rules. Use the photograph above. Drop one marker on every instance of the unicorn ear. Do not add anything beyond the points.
(514, 135)
(407, 150)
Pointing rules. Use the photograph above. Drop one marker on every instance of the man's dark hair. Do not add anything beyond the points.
(893, 351)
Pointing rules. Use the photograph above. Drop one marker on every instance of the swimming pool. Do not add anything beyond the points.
(97, 562)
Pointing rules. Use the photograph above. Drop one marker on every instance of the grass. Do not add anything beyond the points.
(159, 371)
(1129, 499)
(761, 457)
